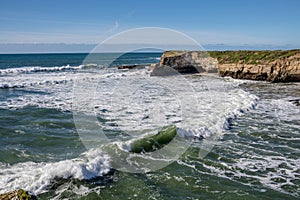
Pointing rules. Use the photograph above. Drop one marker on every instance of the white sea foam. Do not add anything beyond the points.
(36, 177)
(268, 160)
(256, 169)
(135, 102)
(202, 108)
(285, 110)
(37, 69)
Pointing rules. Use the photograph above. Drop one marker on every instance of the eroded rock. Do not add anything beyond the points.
(273, 66)
(183, 62)
(279, 70)
(17, 195)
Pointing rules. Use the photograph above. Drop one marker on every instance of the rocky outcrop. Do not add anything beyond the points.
(174, 62)
(273, 66)
(279, 70)
(132, 66)
(296, 102)
(17, 195)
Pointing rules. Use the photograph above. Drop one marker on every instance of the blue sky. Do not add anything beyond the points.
(216, 23)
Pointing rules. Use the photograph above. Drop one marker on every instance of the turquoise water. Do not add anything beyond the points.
(255, 156)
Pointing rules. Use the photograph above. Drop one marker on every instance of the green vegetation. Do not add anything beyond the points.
(251, 57)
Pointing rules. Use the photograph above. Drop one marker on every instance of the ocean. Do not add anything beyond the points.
(67, 122)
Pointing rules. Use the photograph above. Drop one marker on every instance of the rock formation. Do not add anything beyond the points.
(132, 66)
(296, 102)
(174, 62)
(273, 66)
(279, 70)
(17, 195)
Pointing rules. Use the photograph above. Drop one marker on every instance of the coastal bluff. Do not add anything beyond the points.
(172, 62)
(272, 66)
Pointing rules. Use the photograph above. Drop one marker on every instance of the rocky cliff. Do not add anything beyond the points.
(273, 66)
(172, 62)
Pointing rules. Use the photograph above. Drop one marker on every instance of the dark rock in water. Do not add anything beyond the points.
(131, 67)
(200, 137)
(17, 195)
(296, 102)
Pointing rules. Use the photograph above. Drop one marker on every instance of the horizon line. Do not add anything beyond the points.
(55, 48)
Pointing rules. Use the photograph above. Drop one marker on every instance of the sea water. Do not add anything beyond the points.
(249, 130)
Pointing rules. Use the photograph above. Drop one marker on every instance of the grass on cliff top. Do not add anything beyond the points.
(251, 57)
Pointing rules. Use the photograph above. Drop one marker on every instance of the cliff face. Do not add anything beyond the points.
(279, 70)
(172, 62)
(273, 66)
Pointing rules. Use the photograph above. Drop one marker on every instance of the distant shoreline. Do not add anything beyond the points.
(89, 52)
(45, 48)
